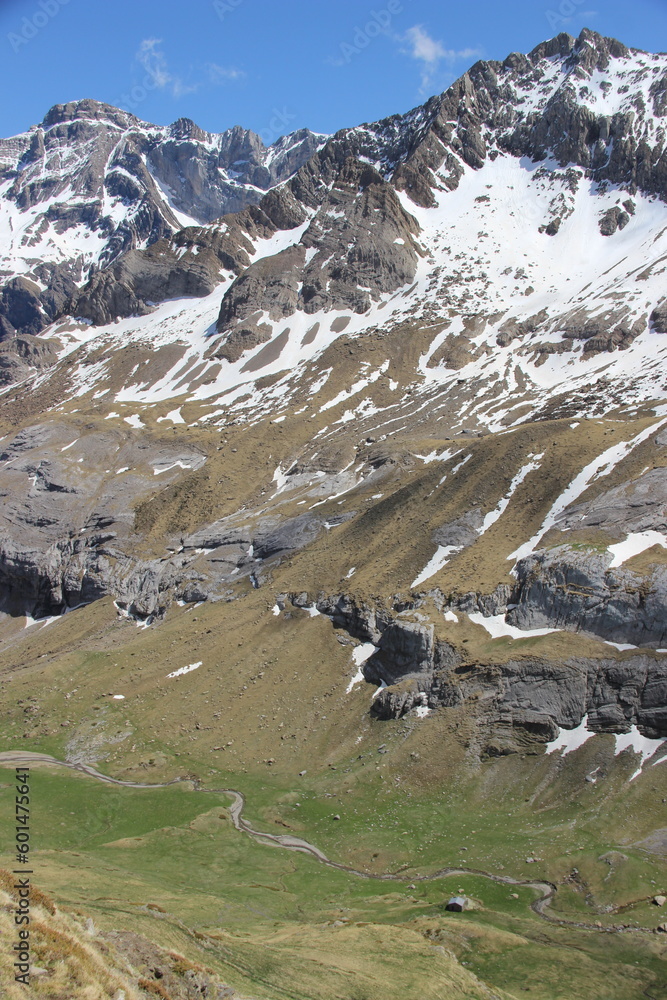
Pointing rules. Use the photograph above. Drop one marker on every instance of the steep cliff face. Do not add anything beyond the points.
(579, 590)
(414, 670)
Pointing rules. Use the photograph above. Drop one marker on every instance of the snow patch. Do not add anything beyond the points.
(359, 655)
(639, 744)
(159, 469)
(635, 543)
(570, 739)
(185, 670)
(435, 564)
(174, 416)
(497, 627)
(134, 421)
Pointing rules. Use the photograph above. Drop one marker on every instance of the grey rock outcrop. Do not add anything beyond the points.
(614, 694)
(572, 585)
(566, 588)
(396, 701)
(613, 220)
(530, 695)
(68, 534)
(637, 505)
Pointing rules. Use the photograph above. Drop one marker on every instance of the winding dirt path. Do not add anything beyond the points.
(547, 890)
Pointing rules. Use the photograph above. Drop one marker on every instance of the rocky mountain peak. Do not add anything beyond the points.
(87, 109)
(592, 51)
(185, 128)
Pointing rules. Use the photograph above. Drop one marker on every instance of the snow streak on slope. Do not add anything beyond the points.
(443, 552)
(599, 467)
(635, 543)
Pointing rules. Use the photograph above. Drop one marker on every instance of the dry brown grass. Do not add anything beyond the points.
(72, 960)
(66, 963)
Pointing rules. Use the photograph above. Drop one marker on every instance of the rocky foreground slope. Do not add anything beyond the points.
(418, 386)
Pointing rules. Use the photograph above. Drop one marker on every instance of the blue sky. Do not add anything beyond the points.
(276, 65)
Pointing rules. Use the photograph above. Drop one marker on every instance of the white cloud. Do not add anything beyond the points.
(434, 58)
(180, 89)
(424, 47)
(154, 62)
(220, 74)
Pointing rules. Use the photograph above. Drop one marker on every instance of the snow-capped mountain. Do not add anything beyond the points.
(443, 335)
(520, 215)
(91, 182)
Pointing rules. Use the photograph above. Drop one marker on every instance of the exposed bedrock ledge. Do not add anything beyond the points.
(72, 572)
(533, 694)
(614, 694)
(565, 588)
(41, 579)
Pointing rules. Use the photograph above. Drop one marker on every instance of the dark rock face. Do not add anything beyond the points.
(186, 264)
(271, 284)
(26, 309)
(361, 214)
(531, 695)
(566, 588)
(659, 317)
(405, 649)
(21, 307)
(288, 536)
(364, 622)
(141, 277)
